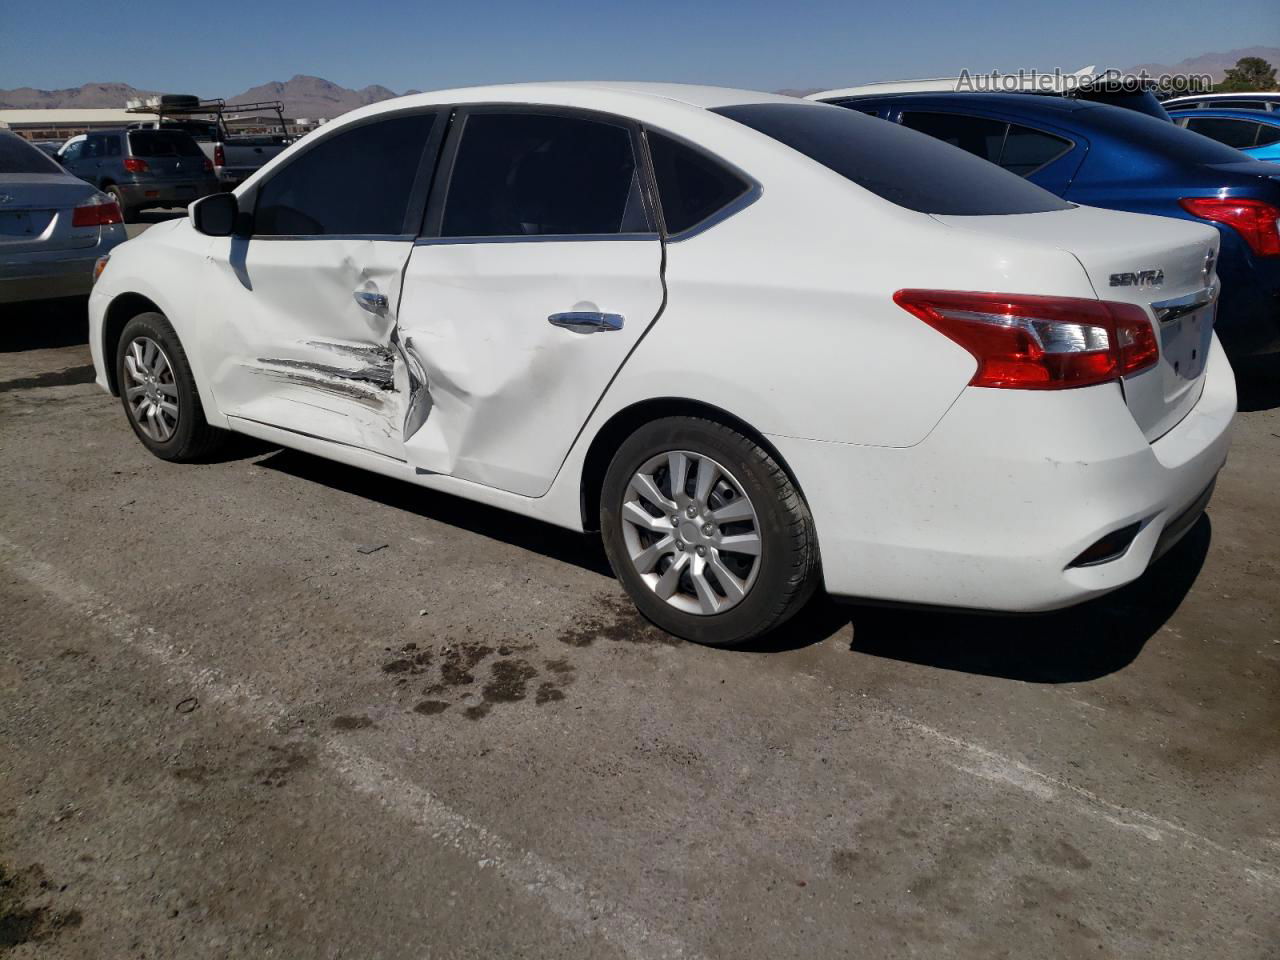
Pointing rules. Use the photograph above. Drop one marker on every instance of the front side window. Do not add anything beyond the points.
(73, 151)
(1234, 133)
(528, 175)
(354, 183)
(897, 164)
(692, 186)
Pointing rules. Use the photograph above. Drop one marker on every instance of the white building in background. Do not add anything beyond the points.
(62, 123)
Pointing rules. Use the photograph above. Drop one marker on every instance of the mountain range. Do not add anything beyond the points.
(302, 96)
(315, 97)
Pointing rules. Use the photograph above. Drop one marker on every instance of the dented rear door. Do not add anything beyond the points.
(541, 272)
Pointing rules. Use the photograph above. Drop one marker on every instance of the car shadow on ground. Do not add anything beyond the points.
(496, 524)
(45, 324)
(1068, 646)
(1258, 383)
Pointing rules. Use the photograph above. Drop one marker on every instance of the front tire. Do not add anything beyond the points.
(159, 393)
(706, 531)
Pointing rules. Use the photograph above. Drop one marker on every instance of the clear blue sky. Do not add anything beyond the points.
(225, 46)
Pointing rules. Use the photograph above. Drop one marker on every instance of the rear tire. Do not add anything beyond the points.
(720, 558)
(129, 214)
(159, 393)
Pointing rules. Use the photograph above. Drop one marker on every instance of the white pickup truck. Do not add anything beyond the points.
(213, 124)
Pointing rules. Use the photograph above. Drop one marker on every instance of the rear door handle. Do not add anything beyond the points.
(583, 321)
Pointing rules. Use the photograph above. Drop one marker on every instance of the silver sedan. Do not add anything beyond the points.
(53, 226)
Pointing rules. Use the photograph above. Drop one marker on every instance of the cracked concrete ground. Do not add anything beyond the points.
(225, 731)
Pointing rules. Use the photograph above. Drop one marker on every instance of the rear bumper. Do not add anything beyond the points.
(990, 510)
(167, 193)
(60, 273)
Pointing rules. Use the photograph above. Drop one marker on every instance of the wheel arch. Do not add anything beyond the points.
(119, 312)
(626, 421)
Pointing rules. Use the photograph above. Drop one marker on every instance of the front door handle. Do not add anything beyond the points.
(584, 321)
(371, 300)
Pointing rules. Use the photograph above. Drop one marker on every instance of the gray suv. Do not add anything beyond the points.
(141, 168)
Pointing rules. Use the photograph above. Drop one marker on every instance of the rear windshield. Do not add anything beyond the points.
(18, 156)
(162, 143)
(904, 167)
(1167, 140)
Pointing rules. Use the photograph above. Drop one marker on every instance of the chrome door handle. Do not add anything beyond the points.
(582, 321)
(370, 300)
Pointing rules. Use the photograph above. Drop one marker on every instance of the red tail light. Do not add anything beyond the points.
(208, 165)
(96, 215)
(1258, 222)
(219, 155)
(135, 165)
(1029, 342)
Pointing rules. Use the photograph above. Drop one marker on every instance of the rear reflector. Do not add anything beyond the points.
(1255, 220)
(1028, 342)
(96, 214)
(1111, 547)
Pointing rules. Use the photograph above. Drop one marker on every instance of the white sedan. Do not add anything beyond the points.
(761, 344)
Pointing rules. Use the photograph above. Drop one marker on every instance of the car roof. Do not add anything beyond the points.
(1229, 95)
(1263, 116)
(1010, 101)
(614, 96)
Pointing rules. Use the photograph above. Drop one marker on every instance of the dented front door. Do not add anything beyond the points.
(310, 345)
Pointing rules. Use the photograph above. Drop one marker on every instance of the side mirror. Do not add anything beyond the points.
(215, 215)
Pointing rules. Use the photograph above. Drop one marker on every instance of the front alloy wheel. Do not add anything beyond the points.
(150, 390)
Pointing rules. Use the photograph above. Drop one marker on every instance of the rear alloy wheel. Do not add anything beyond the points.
(159, 393)
(707, 532)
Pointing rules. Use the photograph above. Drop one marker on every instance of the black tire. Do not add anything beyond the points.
(788, 566)
(129, 214)
(192, 437)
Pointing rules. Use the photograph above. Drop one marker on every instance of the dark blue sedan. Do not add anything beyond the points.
(1106, 156)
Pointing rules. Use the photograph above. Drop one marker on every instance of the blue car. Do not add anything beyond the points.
(1250, 131)
(1106, 156)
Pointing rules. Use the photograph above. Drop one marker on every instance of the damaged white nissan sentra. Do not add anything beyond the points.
(761, 343)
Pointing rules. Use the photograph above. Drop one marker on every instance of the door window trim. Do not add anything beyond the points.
(433, 221)
(418, 192)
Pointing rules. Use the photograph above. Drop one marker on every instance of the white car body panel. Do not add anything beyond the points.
(509, 390)
(923, 488)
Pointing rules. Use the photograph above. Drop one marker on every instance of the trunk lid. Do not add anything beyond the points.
(38, 214)
(1164, 265)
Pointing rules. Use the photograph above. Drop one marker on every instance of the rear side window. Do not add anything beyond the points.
(1021, 150)
(900, 165)
(354, 183)
(1027, 150)
(528, 175)
(982, 137)
(691, 185)
(1267, 134)
(1234, 133)
(161, 143)
(18, 156)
